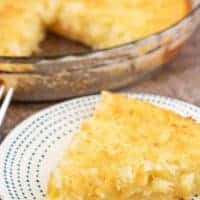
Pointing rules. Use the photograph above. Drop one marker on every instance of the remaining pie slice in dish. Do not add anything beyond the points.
(106, 23)
(130, 150)
(23, 25)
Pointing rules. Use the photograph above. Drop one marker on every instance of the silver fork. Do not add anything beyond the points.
(5, 103)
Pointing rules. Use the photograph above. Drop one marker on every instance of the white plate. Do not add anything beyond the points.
(32, 149)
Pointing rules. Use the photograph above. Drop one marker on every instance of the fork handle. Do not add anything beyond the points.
(5, 105)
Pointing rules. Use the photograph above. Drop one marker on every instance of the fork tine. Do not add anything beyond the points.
(5, 104)
(1, 91)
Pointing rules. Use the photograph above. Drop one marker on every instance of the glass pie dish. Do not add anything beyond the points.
(53, 75)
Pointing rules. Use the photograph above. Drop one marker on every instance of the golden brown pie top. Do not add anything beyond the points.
(130, 150)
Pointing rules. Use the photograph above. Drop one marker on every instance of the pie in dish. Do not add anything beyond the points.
(130, 150)
(96, 23)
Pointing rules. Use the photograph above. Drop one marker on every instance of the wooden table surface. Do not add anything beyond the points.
(179, 79)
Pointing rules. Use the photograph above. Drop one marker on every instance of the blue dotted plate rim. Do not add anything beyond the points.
(194, 113)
